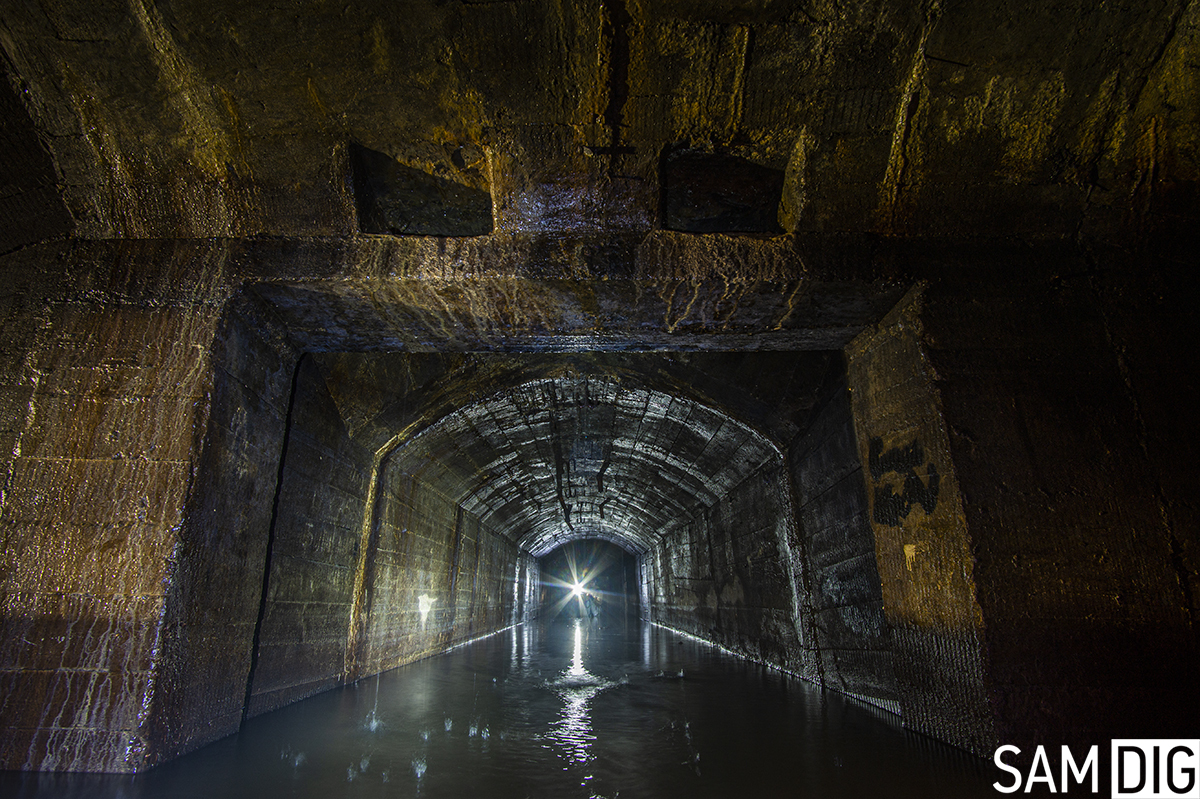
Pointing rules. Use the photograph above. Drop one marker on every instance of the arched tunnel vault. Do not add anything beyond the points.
(490, 466)
(565, 458)
(256, 491)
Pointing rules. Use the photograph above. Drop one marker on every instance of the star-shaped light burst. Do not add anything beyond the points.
(581, 574)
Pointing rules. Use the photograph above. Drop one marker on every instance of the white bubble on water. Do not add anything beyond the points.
(473, 730)
(418, 767)
(449, 724)
(362, 764)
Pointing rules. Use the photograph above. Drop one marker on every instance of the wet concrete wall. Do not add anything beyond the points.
(841, 603)
(301, 642)
(782, 569)
(215, 590)
(107, 391)
(437, 576)
(146, 415)
(922, 549)
(1035, 566)
(725, 575)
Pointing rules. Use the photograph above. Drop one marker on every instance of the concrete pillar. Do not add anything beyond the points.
(142, 422)
(102, 404)
(922, 545)
(1034, 566)
(215, 590)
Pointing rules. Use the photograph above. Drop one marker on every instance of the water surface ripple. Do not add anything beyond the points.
(566, 709)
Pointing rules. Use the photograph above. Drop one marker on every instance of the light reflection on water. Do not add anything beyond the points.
(570, 709)
(571, 735)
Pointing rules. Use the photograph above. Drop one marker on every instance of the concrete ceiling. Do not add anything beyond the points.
(552, 448)
(536, 175)
(557, 460)
(186, 118)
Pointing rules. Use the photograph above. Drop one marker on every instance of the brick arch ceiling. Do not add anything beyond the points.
(558, 459)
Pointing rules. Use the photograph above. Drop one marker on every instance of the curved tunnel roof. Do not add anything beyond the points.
(559, 459)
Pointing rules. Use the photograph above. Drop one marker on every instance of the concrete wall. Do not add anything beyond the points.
(1021, 481)
(215, 590)
(108, 389)
(301, 643)
(1081, 547)
(428, 554)
(922, 550)
(841, 600)
(1037, 559)
(783, 568)
(725, 575)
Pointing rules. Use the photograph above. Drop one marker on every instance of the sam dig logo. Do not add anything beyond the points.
(1155, 767)
(1140, 768)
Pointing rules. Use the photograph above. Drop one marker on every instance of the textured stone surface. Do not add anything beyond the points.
(922, 545)
(727, 576)
(437, 575)
(164, 369)
(303, 624)
(181, 217)
(548, 462)
(191, 118)
(31, 209)
(110, 403)
(214, 591)
(841, 605)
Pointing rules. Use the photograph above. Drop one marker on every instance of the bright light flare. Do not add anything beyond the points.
(577, 589)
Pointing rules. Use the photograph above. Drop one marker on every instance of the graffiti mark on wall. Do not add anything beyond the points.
(892, 508)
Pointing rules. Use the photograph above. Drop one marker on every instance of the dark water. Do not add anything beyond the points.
(561, 710)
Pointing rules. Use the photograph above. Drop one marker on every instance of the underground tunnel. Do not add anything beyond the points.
(692, 389)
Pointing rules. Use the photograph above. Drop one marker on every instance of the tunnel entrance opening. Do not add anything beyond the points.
(432, 498)
(590, 579)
